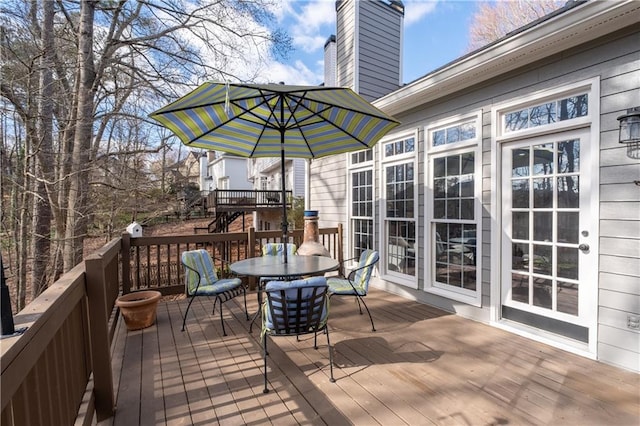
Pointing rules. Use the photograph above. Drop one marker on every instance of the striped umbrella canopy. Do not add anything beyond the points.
(275, 120)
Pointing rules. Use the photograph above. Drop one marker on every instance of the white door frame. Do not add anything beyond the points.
(590, 124)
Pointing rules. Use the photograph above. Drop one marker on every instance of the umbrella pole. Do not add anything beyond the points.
(285, 225)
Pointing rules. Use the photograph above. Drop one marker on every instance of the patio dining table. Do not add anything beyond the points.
(274, 266)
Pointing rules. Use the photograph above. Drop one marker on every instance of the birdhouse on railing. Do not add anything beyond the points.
(134, 229)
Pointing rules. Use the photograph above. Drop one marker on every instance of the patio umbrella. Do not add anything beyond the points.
(275, 120)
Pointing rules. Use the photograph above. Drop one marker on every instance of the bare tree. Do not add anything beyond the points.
(494, 20)
(79, 80)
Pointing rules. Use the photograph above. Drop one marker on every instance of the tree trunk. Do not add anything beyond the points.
(77, 211)
(40, 274)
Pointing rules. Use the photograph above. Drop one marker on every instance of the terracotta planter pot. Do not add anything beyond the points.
(139, 308)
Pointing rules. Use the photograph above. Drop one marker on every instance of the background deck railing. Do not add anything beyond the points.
(59, 371)
(249, 199)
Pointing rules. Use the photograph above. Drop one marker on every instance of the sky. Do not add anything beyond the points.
(435, 33)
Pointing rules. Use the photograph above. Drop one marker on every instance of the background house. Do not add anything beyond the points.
(504, 196)
(265, 173)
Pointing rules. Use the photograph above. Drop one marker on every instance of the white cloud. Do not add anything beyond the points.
(313, 24)
(296, 73)
(415, 10)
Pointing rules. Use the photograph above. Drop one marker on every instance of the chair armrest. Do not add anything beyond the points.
(186, 284)
(353, 271)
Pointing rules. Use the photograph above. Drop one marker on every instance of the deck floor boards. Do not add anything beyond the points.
(422, 366)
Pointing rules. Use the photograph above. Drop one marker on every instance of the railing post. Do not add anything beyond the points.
(125, 255)
(99, 335)
(251, 252)
(340, 254)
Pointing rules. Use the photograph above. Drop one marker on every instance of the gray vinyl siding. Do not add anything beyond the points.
(379, 58)
(346, 48)
(298, 177)
(367, 47)
(329, 190)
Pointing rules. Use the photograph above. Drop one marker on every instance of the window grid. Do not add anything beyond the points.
(547, 113)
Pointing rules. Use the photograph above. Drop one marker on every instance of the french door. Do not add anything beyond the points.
(549, 234)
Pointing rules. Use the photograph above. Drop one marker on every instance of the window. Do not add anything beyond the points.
(453, 210)
(361, 213)
(399, 211)
(547, 113)
(456, 133)
(454, 220)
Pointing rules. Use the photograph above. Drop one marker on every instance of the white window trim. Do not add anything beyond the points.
(469, 297)
(591, 120)
(394, 277)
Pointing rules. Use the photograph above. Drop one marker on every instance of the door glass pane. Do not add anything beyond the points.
(543, 159)
(569, 156)
(520, 256)
(568, 262)
(567, 298)
(542, 226)
(520, 225)
(520, 288)
(543, 193)
(542, 290)
(568, 192)
(568, 227)
(542, 259)
(520, 163)
(520, 193)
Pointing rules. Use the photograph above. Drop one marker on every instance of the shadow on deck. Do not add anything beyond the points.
(422, 366)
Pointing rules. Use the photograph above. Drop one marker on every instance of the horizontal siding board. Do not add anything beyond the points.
(617, 356)
(620, 228)
(620, 265)
(625, 173)
(619, 192)
(620, 283)
(620, 301)
(618, 211)
(624, 339)
(620, 247)
(614, 318)
(620, 83)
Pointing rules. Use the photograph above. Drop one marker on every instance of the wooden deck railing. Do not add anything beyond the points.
(60, 370)
(246, 199)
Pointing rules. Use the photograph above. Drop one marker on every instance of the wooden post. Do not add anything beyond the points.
(99, 334)
(340, 254)
(125, 254)
(251, 252)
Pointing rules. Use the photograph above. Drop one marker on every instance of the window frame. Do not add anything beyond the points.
(396, 277)
(470, 297)
(367, 165)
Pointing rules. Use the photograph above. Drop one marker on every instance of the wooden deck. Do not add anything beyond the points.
(423, 366)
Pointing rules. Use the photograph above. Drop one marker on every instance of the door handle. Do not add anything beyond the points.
(584, 247)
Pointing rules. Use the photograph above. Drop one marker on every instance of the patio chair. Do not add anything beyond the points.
(357, 283)
(201, 280)
(271, 249)
(295, 308)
